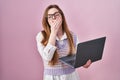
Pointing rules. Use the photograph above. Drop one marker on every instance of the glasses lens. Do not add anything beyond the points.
(55, 15)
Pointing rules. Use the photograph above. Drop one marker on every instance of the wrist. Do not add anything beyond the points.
(53, 33)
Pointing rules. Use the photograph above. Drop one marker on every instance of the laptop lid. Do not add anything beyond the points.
(92, 49)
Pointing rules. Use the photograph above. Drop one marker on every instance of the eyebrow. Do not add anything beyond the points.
(54, 13)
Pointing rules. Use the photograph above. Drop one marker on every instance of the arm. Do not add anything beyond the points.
(47, 51)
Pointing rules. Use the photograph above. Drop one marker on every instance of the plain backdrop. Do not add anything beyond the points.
(20, 21)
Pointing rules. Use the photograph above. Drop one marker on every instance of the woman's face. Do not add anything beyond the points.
(54, 17)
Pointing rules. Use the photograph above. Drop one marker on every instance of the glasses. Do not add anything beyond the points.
(53, 16)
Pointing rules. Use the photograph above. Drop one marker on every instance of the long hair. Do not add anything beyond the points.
(46, 33)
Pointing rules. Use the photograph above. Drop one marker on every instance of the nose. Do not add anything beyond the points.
(54, 17)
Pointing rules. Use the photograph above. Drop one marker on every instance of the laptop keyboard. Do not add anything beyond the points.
(71, 62)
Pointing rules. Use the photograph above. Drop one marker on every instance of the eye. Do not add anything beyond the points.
(57, 14)
(49, 16)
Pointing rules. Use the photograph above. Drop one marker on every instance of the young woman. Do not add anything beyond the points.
(56, 41)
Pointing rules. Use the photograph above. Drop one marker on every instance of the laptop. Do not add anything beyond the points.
(92, 49)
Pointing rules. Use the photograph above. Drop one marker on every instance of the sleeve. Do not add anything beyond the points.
(47, 51)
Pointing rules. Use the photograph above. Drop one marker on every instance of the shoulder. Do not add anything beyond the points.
(75, 37)
(39, 36)
(73, 34)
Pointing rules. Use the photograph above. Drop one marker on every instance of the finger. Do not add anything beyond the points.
(59, 22)
(56, 24)
(90, 61)
(53, 24)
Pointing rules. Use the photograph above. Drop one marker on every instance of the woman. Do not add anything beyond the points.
(56, 41)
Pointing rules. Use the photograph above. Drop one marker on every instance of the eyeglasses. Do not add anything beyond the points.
(53, 16)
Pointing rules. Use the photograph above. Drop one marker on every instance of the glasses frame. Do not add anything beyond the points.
(56, 14)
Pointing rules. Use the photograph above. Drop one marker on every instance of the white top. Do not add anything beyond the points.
(47, 53)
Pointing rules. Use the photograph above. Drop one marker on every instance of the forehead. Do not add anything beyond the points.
(52, 11)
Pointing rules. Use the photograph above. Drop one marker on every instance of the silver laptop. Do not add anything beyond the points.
(92, 49)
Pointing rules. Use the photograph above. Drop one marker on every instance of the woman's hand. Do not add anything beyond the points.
(88, 63)
(55, 25)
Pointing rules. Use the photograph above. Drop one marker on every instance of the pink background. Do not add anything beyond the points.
(20, 21)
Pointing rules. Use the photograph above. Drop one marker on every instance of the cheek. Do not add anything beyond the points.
(61, 19)
(49, 21)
